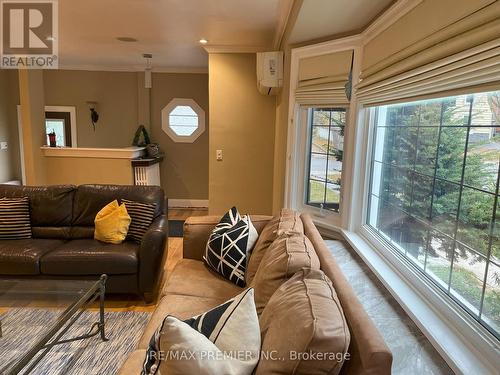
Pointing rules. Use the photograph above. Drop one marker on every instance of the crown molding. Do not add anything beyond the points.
(236, 49)
(288, 11)
(133, 68)
(327, 47)
(388, 18)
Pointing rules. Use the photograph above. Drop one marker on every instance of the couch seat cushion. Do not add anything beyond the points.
(193, 278)
(22, 257)
(91, 257)
(182, 307)
(134, 362)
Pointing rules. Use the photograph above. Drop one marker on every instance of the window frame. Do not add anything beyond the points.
(307, 187)
(398, 250)
(463, 343)
(448, 315)
(165, 120)
(298, 195)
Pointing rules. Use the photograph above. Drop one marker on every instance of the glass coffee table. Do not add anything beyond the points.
(22, 326)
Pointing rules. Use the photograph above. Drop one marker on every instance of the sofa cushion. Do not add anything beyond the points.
(89, 199)
(304, 316)
(287, 221)
(217, 334)
(229, 246)
(193, 278)
(197, 230)
(289, 253)
(217, 331)
(22, 257)
(142, 215)
(112, 223)
(183, 307)
(50, 206)
(91, 257)
(15, 218)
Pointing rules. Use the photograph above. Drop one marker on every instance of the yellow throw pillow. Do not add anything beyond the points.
(111, 223)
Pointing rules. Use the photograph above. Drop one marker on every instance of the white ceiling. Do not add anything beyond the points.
(169, 29)
(322, 18)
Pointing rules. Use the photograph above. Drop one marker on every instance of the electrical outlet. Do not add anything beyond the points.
(219, 155)
(3, 146)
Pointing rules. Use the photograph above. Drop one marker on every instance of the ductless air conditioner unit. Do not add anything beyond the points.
(269, 72)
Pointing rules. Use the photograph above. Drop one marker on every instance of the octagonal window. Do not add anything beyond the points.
(183, 120)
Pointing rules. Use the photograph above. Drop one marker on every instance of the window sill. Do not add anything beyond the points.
(465, 345)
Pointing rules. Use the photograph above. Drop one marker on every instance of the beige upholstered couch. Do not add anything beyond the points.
(192, 289)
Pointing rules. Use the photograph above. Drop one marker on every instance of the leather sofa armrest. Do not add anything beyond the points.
(197, 229)
(151, 255)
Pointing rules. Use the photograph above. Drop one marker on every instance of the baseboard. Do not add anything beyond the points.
(188, 203)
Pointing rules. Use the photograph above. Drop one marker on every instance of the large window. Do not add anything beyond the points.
(325, 157)
(434, 194)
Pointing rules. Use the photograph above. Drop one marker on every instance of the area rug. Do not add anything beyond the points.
(175, 228)
(86, 357)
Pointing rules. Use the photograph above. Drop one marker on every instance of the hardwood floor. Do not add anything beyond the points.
(174, 254)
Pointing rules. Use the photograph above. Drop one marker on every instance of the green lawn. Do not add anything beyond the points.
(317, 192)
(467, 285)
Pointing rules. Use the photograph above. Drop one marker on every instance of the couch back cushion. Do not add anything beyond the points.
(90, 199)
(287, 221)
(51, 208)
(304, 318)
(289, 253)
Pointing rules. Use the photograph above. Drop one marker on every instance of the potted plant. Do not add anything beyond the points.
(52, 138)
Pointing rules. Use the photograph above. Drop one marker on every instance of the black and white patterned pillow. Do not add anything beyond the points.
(229, 246)
(214, 325)
(15, 223)
(141, 215)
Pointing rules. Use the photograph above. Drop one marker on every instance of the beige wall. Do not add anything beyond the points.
(184, 171)
(123, 104)
(89, 171)
(117, 97)
(31, 92)
(10, 168)
(242, 125)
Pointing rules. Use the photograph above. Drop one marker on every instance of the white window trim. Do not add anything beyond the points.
(298, 136)
(165, 120)
(72, 115)
(463, 342)
(465, 345)
(324, 216)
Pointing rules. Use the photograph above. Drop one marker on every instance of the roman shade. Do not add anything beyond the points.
(323, 79)
(463, 54)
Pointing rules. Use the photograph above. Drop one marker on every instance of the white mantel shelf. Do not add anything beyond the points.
(102, 153)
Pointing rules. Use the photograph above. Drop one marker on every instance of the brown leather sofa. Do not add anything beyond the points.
(63, 245)
(192, 288)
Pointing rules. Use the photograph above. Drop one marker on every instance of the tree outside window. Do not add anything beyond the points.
(325, 157)
(434, 194)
